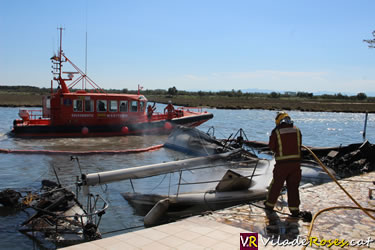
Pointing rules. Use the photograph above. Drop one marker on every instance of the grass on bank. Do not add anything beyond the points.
(32, 96)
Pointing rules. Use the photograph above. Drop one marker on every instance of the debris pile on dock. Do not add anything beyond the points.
(351, 160)
(346, 161)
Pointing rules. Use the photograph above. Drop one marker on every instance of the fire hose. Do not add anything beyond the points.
(365, 210)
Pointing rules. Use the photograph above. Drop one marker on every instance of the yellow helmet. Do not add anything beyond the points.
(280, 116)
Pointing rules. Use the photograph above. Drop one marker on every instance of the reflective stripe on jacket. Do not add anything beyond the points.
(286, 143)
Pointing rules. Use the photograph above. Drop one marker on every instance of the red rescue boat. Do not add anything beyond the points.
(96, 113)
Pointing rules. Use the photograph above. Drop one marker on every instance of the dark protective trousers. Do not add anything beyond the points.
(291, 173)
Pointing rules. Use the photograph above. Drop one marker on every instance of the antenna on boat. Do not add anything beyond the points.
(58, 60)
(84, 79)
(60, 52)
(139, 89)
(85, 59)
(57, 177)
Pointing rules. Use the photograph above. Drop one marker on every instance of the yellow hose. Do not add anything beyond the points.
(365, 210)
(328, 209)
(334, 179)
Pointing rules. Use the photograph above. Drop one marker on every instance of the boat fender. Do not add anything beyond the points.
(85, 131)
(156, 213)
(125, 130)
(168, 126)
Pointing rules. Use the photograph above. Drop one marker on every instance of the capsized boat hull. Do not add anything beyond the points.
(192, 141)
(194, 203)
(153, 127)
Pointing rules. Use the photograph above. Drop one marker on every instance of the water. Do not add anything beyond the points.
(26, 171)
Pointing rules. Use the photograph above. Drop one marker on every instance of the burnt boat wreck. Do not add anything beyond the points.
(224, 173)
(55, 214)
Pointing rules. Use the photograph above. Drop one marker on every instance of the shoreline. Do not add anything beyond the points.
(235, 103)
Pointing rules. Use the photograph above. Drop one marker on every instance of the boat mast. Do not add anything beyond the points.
(84, 79)
(60, 53)
(61, 58)
(57, 66)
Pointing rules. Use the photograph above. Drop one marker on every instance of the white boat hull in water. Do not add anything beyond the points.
(189, 203)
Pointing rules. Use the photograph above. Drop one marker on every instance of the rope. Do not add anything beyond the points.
(57, 152)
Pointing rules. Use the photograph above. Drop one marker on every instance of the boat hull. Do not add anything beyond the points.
(153, 127)
(193, 203)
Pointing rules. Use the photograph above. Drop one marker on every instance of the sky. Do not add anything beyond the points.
(204, 45)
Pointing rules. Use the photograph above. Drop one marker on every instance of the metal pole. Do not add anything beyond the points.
(57, 177)
(169, 188)
(365, 127)
(179, 182)
(132, 185)
(60, 53)
(84, 79)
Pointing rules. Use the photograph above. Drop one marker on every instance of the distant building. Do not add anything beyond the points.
(290, 93)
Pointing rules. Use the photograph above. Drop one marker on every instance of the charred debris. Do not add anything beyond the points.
(346, 161)
(55, 215)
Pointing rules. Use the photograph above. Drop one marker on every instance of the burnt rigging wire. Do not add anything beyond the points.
(159, 183)
(202, 143)
(105, 189)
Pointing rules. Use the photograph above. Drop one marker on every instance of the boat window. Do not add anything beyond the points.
(101, 105)
(77, 105)
(134, 107)
(113, 106)
(89, 105)
(142, 106)
(48, 102)
(67, 102)
(123, 106)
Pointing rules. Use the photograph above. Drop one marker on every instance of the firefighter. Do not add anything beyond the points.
(170, 110)
(285, 141)
(150, 110)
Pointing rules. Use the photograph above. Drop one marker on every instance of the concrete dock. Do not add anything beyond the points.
(221, 229)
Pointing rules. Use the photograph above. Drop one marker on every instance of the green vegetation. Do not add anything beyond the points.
(23, 90)
(234, 99)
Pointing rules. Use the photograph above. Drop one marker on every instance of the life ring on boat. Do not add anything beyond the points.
(84, 130)
(168, 126)
(24, 114)
(125, 130)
